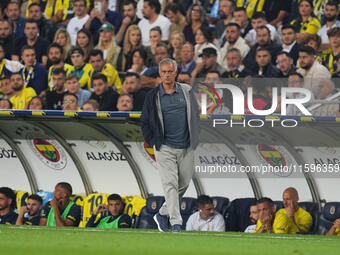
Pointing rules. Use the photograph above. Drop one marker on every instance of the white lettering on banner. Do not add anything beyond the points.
(255, 123)
(109, 156)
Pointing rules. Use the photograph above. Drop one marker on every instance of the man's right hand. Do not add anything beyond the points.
(100, 208)
(126, 21)
(23, 210)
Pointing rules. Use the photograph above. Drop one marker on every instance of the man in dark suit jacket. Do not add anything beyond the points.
(289, 42)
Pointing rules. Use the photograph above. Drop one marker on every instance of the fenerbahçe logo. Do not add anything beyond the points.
(271, 155)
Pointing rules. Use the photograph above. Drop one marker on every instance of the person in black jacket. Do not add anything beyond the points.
(264, 66)
(105, 95)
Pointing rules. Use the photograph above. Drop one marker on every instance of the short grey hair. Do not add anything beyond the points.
(167, 61)
(237, 51)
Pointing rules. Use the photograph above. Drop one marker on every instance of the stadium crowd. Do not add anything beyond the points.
(104, 54)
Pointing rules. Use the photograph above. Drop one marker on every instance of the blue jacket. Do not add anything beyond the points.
(152, 120)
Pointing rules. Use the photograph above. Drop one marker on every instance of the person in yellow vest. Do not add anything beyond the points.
(99, 65)
(335, 229)
(330, 56)
(112, 215)
(81, 69)
(22, 95)
(269, 222)
(301, 219)
(60, 211)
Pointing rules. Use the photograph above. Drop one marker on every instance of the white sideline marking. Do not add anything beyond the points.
(250, 236)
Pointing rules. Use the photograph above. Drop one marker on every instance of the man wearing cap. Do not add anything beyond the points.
(209, 63)
(79, 19)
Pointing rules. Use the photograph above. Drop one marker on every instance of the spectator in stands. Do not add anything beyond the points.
(285, 63)
(30, 214)
(326, 92)
(60, 211)
(289, 43)
(22, 95)
(78, 21)
(203, 38)
(155, 36)
(174, 14)
(138, 61)
(132, 41)
(5, 88)
(206, 219)
(36, 103)
(62, 38)
(209, 63)
(301, 219)
(329, 56)
(269, 222)
(7, 204)
(105, 95)
(264, 41)
(311, 70)
(306, 23)
(184, 78)
(98, 64)
(234, 40)
(116, 217)
(70, 102)
(176, 43)
(32, 39)
(259, 20)
(335, 229)
(12, 12)
(84, 41)
(7, 66)
(196, 18)
(225, 17)
(91, 105)
(100, 16)
(55, 55)
(55, 95)
(113, 54)
(314, 41)
(331, 17)
(125, 103)
(254, 216)
(241, 18)
(264, 65)
(261, 99)
(234, 61)
(130, 18)
(73, 86)
(6, 38)
(276, 11)
(153, 18)
(81, 69)
(133, 87)
(5, 104)
(35, 75)
(187, 63)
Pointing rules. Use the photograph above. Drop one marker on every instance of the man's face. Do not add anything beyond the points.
(54, 55)
(295, 81)
(6, 87)
(263, 58)
(28, 56)
(124, 104)
(99, 87)
(167, 74)
(265, 210)
(17, 82)
(73, 86)
(88, 108)
(77, 60)
(257, 23)
(324, 90)
(285, 63)
(232, 34)
(155, 37)
(172, 17)
(58, 81)
(147, 10)
(225, 9)
(79, 8)
(97, 63)
(70, 103)
(5, 30)
(288, 198)
(306, 61)
(35, 13)
(31, 31)
(263, 37)
(131, 84)
(115, 207)
(184, 78)
(35, 104)
(233, 60)
(334, 41)
(254, 215)
(33, 207)
(209, 61)
(161, 53)
(129, 11)
(13, 11)
(61, 194)
(288, 36)
(187, 53)
(241, 18)
(331, 12)
(212, 78)
(5, 203)
(207, 211)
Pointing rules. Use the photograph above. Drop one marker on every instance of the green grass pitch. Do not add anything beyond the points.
(63, 241)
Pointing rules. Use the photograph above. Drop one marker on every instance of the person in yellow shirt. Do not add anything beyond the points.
(22, 95)
(269, 222)
(81, 69)
(335, 229)
(98, 64)
(251, 6)
(302, 221)
(307, 23)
